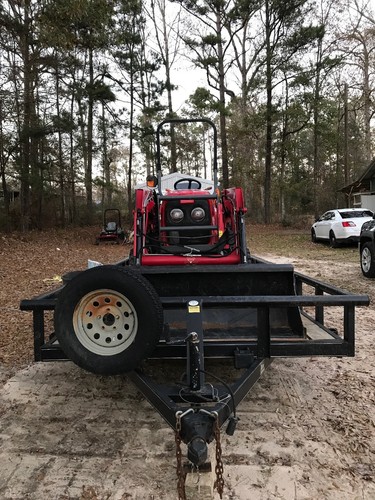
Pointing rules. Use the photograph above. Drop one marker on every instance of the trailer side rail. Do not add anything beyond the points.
(322, 296)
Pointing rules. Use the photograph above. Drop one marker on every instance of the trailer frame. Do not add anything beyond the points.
(253, 354)
(197, 411)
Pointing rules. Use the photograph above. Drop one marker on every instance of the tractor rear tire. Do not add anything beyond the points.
(108, 319)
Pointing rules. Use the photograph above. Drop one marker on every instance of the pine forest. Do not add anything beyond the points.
(84, 83)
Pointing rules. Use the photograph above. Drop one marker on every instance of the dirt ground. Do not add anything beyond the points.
(306, 430)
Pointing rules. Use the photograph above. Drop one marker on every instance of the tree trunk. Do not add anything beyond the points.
(107, 185)
(131, 119)
(316, 152)
(164, 47)
(367, 103)
(169, 94)
(346, 136)
(73, 216)
(268, 155)
(3, 162)
(223, 126)
(26, 123)
(90, 116)
(60, 154)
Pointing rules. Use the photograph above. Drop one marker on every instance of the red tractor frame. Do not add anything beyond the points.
(189, 225)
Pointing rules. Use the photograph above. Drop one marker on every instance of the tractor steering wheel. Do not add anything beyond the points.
(187, 184)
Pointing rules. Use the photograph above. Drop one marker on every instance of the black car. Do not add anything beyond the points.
(367, 248)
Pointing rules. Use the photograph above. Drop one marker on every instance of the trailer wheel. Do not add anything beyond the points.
(368, 260)
(108, 319)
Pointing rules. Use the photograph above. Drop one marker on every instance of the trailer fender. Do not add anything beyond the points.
(108, 319)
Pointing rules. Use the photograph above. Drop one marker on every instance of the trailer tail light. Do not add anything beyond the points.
(348, 224)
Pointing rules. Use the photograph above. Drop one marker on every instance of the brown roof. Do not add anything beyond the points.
(363, 182)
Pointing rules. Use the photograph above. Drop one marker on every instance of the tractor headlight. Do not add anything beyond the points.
(176, 215)
(198, 214)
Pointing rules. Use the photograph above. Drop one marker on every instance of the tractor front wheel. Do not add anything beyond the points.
(108, 319)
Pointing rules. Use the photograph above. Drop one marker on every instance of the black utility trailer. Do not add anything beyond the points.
(196, 410)
(191, 291)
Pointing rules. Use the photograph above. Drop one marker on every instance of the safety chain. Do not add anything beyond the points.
(219, 468)
(179, 469)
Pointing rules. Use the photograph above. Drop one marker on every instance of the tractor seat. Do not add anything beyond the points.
(111, 227)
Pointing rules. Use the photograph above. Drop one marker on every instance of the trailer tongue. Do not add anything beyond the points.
(191, 292)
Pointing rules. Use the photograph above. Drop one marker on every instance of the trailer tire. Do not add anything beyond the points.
(108, 319)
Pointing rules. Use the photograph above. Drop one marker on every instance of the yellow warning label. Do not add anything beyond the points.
(194, 309)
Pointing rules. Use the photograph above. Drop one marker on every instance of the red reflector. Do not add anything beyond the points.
(186, 202)
(348, 224)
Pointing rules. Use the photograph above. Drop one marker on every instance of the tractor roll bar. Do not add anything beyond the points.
(185, 120)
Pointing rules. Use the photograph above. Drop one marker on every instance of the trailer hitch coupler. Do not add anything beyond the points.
(197, 451)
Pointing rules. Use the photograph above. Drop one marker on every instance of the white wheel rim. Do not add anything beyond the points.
(105, 322)
(366, 259)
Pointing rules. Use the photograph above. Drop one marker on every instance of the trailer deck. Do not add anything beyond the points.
(311, 298)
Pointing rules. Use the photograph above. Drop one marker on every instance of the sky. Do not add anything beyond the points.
(187, 78)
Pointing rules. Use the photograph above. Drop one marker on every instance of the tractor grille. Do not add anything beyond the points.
(188, 230)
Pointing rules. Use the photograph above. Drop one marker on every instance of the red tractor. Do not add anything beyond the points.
(188, 225)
